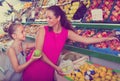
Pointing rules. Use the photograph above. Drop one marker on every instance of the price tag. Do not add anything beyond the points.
(97, 14)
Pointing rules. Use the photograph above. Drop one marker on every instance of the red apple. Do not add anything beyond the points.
(117, 8)
(118, 48)
(106, 2)
(104, 34)
(118, 17)
(118, 3)
(99, 35)
(113, 18)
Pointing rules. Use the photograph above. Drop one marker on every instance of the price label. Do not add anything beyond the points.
(97, 14)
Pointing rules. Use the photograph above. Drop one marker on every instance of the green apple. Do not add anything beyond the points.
(37, 52)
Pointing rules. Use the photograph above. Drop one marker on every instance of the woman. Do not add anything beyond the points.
(51, 40)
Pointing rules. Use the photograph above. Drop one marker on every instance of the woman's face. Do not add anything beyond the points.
(51, 18)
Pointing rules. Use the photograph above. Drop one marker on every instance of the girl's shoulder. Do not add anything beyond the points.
(11, 48)
(10, 51)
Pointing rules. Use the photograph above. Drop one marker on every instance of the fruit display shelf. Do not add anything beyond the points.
(93, 54)
(110, 11)
(96, 25)
(90, 52)
(89, 71)
(86, 51)
(83, 25)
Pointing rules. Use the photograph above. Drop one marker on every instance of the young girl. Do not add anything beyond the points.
(16, 60)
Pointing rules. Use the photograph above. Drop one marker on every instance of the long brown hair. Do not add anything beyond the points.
(59, 12)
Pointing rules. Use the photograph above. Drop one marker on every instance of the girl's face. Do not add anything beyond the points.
(20, 33)
(51, 18)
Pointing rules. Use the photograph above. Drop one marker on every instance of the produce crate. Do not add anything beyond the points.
(92, 72)
(73, 56)
(77, 60)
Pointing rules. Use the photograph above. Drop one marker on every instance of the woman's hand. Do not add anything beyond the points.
(59, 71)
(112, 38)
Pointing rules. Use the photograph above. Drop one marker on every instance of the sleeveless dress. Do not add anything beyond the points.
(10, 74)
(52, 47)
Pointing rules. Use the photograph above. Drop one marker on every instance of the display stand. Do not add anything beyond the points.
(86, 51)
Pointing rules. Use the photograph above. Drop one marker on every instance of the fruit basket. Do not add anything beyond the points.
(72, 60)
(94, 72)
(88, 71)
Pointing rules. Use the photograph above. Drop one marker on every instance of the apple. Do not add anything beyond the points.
(118, 48)
(118, 3)
(116, 8)
(104, 34)
(113, 18)
(79, 31)
(37, 53)
(106, 2)
(118, 17)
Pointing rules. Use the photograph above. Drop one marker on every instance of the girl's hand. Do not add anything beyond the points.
(59, 71)
(33, 58)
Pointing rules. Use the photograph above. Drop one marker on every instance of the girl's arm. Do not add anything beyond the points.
(87, 40)
(14, 61)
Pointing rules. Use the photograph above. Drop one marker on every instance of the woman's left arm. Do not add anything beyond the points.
(87, 40)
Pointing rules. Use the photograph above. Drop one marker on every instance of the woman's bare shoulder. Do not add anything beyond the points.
(41, 29)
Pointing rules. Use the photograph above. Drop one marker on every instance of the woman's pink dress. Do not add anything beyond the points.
(52, 47)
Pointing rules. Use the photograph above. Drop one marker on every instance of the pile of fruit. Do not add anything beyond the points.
(31, 30)
(110, 9)
(94, 4)
(90, 72)
(106, 47)
(115, 16)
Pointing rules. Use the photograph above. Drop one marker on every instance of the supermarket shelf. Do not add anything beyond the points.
(37, 22)
(30, 38)
(96, 25)
(86, 51)
(93, 54)
(84, 25)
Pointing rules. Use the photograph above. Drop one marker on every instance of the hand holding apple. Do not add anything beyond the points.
(37, 53)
